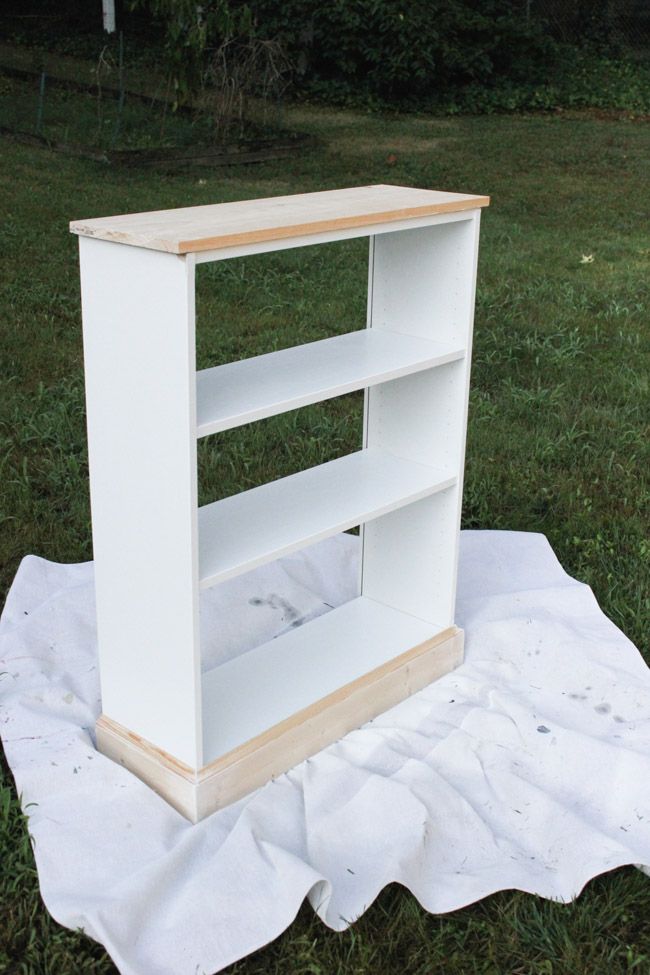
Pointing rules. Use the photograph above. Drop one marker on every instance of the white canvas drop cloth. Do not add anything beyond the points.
(528, 767)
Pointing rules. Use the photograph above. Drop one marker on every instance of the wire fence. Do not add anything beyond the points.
(613, 25)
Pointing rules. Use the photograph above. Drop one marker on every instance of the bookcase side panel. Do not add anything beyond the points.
(138, 319)
(422, 283)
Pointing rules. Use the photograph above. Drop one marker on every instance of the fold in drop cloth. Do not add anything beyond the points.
(528, 767)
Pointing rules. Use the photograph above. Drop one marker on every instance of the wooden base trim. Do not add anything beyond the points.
(197, 793)
(171, 779)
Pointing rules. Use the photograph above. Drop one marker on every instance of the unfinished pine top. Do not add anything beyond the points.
(193, 229)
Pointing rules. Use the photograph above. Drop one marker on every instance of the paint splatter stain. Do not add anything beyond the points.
(603, 708)
(543, 730)
(274, 601)
(618, 718)
(68, 698)
(578, 697)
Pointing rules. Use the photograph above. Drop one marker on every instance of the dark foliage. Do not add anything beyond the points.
(397, 50)
(447, 56)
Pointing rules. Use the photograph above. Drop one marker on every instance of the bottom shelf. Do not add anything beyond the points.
(274, 706)
(250, 694)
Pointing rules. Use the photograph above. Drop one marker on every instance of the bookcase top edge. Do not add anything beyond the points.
(188, 230)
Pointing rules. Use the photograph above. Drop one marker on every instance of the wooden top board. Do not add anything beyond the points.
(192, 229)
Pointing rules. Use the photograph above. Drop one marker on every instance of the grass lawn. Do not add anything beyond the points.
(558, 443)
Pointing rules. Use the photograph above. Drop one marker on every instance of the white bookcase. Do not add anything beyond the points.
(204, 740)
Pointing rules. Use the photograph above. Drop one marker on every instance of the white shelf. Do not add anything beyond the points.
(263, 386)
(248, 529)
(281, 677)
(154, 548)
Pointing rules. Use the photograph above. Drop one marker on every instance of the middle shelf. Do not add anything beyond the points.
(252, 389)
(256, 526)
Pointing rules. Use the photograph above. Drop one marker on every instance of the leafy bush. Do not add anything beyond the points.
(363, 50)
(453, 56)
(585, 80)
(396, 50)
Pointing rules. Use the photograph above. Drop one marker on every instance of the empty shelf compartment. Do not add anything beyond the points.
(300, 667)
(275, 519)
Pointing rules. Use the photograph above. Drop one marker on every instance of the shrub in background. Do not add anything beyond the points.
(410, 50)
(439, 55)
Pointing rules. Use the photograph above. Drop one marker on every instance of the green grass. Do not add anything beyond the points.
(559, 418)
